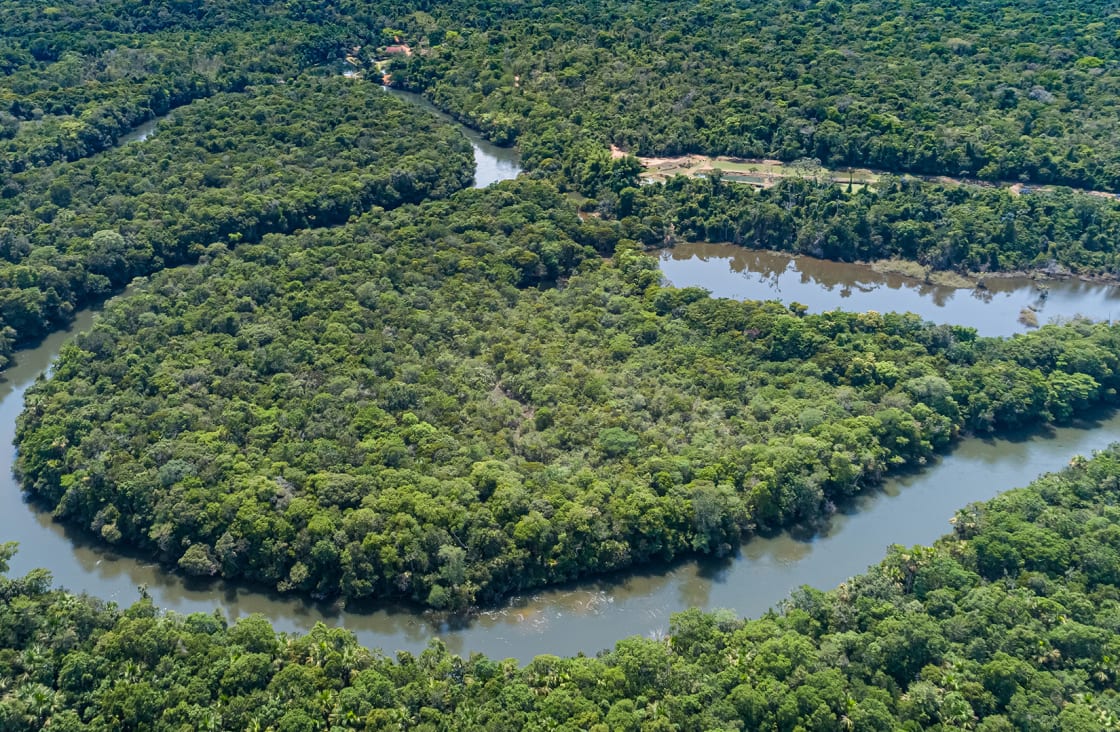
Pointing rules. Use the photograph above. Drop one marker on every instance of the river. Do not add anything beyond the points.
(141, 132)
(491, 163)
(736, 272)
(587, 616)
(584, 617)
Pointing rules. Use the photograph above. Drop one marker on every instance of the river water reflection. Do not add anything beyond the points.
(583, 617)
(491, 163)
(141, 132)
(589, 616)
(748, 274)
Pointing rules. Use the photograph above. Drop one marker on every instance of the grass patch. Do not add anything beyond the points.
(923, 273)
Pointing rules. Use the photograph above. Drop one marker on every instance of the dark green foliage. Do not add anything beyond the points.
(927, 640)
(997, 89)
(70, 93)
(964, 227)
(457, 400)
(231, 168)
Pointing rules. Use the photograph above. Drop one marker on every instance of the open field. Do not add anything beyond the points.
(765, 173)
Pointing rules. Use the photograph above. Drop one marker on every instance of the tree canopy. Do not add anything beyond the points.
(375, 384)
(460, 399)
(965, 228)
(994, 89)
(1008, 623)
(229, 169)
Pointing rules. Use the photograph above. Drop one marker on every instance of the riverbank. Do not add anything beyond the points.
(766, 173)
(517, 614)
(980, 280)
(993, 309)
(587, 616)
(951, 278)
(1020, 595)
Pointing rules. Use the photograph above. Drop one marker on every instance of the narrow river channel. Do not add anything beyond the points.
(491, 163)
(141, 132)
(584, 617)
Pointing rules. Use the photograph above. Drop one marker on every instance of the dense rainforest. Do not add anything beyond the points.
(230, 168)
(376, 384)
(77, 76)
(967, 228)
(1008, 623)
(460, 399)
(995, 89)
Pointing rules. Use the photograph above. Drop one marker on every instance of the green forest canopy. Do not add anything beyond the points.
(965, 228)
(460, 399)
(995, 89)
(1008, 623)
(230, 168)
(564, 80)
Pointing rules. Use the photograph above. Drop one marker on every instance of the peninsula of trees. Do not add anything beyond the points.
(461, 399)
(373, 382)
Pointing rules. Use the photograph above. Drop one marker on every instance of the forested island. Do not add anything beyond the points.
(962, 228)
(341, 373)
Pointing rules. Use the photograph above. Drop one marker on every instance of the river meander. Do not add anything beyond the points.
(583, 617)
(491, 163)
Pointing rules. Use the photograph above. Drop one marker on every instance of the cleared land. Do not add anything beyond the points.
(765, 173)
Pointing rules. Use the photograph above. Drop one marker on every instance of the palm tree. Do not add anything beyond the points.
(38, 702)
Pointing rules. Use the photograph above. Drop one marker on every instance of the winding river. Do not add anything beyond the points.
(587, 616)
(491, 163)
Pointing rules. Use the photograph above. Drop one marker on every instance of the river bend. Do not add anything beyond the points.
(583, 617)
